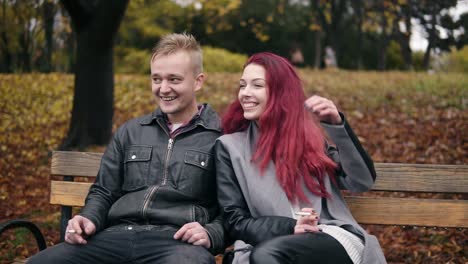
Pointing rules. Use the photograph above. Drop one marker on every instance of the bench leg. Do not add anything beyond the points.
(66, 213)
(65, 216)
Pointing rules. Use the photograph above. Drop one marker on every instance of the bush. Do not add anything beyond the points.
(394, 58)
(221, 60)
(458, 60)
(131, 60)
(418, 61)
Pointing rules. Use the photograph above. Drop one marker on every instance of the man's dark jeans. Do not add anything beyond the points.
(127, 244)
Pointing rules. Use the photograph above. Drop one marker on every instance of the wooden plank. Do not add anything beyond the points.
(68, 193)
(409, 211)
(366, 210)
(391, 176)
(73, 163)
(421, 178)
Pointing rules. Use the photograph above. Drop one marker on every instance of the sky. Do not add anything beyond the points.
(418, 42)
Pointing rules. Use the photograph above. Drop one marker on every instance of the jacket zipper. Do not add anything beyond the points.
(166, 169)
(148, 199)
(166, 162)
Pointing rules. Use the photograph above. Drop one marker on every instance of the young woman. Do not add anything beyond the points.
(278, 178)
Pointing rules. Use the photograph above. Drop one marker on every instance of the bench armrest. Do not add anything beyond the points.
(19, 223)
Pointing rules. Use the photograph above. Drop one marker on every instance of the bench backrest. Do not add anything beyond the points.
(406, 207)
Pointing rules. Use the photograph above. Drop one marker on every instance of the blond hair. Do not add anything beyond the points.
(172, 43)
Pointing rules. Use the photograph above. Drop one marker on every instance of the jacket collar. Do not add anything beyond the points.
(208, 118)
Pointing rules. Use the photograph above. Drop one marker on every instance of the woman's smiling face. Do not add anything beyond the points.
(253, 91)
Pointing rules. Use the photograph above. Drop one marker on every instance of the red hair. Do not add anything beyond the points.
(289, 136)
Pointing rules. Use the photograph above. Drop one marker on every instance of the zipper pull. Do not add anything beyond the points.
(169, 145)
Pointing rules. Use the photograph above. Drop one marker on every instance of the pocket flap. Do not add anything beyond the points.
(138, 153)
(197, 158)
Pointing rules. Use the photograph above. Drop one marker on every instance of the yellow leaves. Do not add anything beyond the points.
(399, 117)
(269, 18)
(315, 27)
(260, 33)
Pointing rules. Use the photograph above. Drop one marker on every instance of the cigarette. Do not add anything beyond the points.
(302, 213)
(72, 231)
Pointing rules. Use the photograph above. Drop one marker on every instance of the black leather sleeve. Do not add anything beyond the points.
(238, 221)
(107, 186)
(216, 234)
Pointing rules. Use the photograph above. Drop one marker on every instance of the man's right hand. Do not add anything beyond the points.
(78, 229)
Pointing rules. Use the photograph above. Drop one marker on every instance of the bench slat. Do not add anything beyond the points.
(409, 211)
(71, 163)
(421, 178)
(416, 177)
(68, 193)
(366, 210)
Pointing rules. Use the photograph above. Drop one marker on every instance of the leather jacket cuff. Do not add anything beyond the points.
(216, 238)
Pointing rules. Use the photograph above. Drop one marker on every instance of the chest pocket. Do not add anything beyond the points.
(197, 175)
(137, 164)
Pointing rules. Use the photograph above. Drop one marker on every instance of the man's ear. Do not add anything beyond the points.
(199, 80)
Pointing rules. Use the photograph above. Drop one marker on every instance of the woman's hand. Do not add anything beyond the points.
(324, 109)
(307, 223)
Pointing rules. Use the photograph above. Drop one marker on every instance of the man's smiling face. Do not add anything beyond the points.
(174, 83)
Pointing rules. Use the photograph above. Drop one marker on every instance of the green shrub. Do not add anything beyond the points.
(221, 60)
(394, 58)
(458, 60)
(418, 60)
(131, 60)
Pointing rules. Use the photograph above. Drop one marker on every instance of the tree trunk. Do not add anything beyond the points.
(337, 10)
(384, 39)
(431, 39)
(48, 13)
(6, 54)
(360, 37)
(24, 56)
(95, 25)
(318, 49)
(406, 52)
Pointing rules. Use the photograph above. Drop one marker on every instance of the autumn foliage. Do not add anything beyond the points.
(399, 117)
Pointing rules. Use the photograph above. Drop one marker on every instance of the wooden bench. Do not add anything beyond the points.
(381, 210)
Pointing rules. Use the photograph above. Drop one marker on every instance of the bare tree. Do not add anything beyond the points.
(95, 24)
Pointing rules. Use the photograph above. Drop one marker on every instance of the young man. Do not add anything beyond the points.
(154, 199)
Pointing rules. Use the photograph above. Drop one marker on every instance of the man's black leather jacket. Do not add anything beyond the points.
(148, 177)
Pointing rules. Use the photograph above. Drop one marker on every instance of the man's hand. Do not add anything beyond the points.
(307, 223)
(78, 229)
(324, 109)
(193, 233)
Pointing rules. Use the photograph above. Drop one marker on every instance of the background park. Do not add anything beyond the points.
(72, 71)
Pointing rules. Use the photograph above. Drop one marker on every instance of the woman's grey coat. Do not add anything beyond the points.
(256, 208)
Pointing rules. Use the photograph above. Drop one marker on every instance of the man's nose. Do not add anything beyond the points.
(165, 86)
